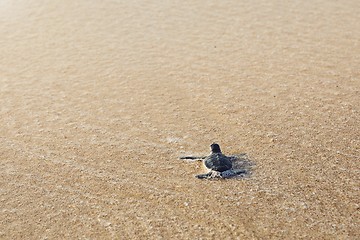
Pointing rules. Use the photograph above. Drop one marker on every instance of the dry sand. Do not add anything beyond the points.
(100, 98)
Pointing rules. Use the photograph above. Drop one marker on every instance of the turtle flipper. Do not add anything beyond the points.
(225, 174)
(205, 175)
(232, 173)
(192, 158)
(210, 175)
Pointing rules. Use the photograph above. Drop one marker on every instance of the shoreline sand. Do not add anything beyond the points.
(100, 98)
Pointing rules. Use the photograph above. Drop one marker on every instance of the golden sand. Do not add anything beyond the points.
(100, 98)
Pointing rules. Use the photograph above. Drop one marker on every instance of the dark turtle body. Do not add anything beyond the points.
(220, 166)
(217, 161)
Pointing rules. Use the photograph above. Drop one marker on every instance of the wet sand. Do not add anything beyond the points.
(100, 98)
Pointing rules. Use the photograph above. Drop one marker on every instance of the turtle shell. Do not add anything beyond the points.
(218, 162)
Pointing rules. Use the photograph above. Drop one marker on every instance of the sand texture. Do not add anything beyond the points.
(98, 99)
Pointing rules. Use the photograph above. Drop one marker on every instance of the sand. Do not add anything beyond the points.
(100, 98)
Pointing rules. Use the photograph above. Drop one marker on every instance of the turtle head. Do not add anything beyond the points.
(215, 148)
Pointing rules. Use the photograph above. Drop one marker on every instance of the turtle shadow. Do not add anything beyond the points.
(243, 164)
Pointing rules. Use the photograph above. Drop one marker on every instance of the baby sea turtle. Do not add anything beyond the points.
(220, 166)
